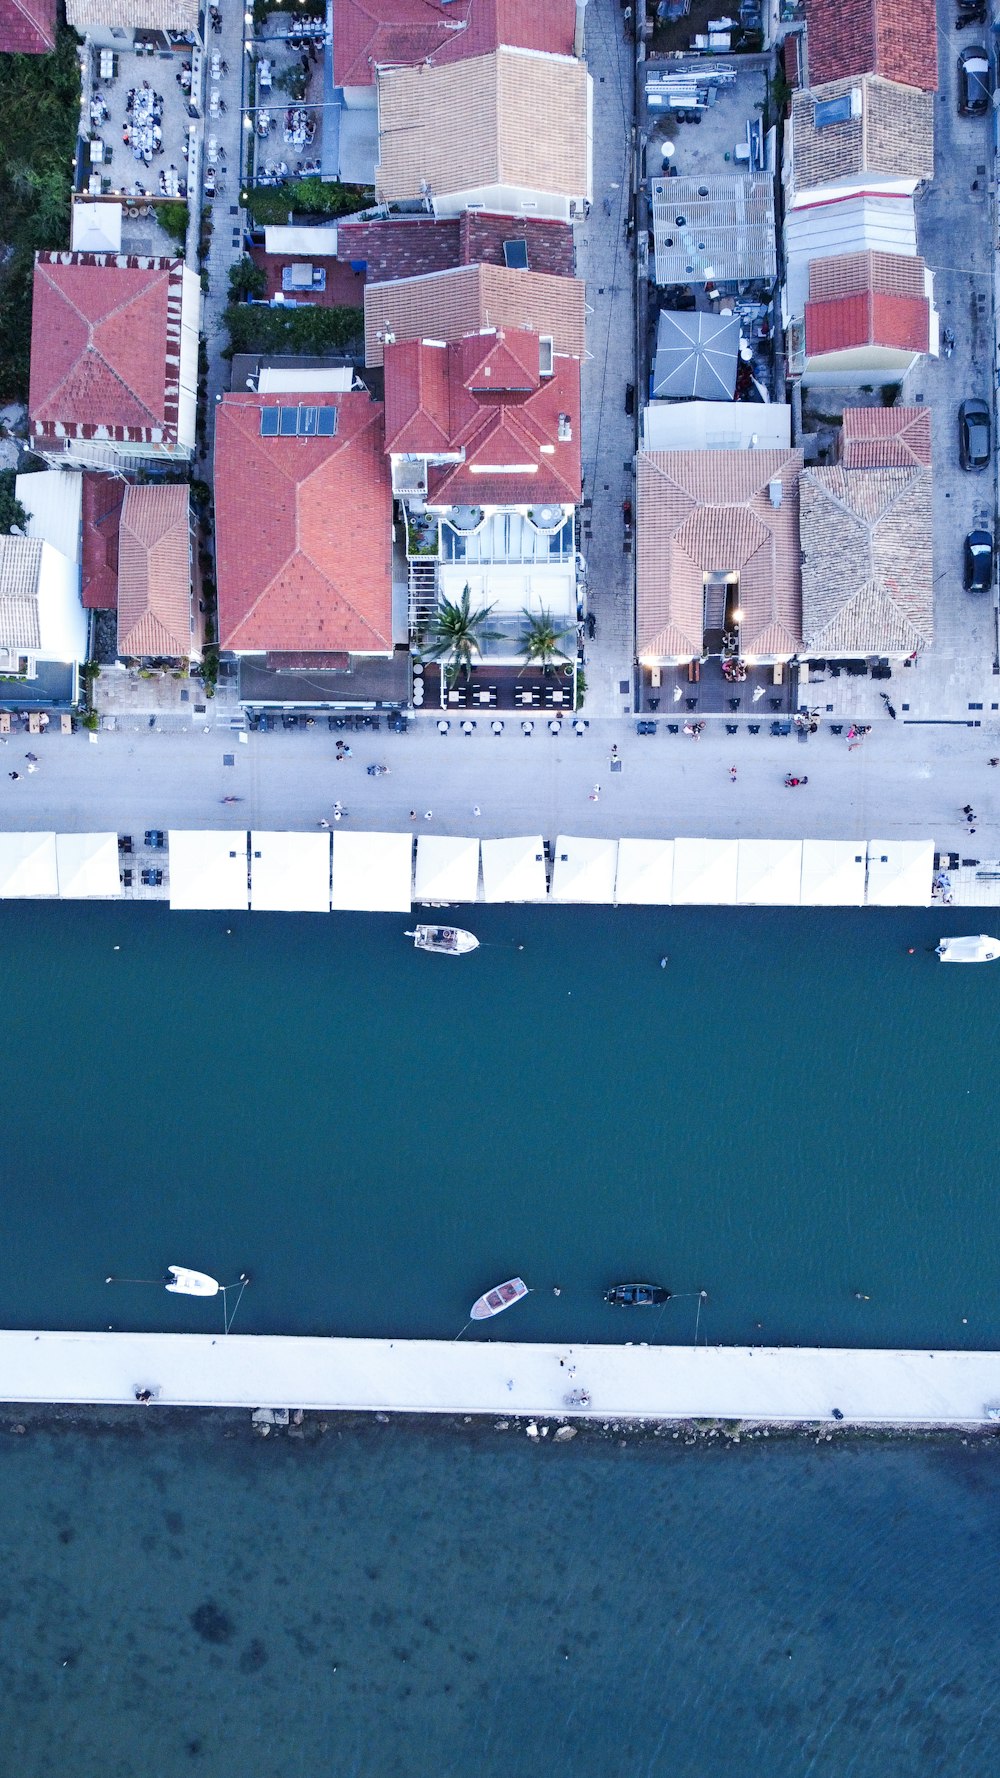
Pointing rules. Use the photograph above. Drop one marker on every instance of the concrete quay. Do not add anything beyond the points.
(634, 1382)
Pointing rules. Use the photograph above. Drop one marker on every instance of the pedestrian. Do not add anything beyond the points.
(732, 774)
(966, 810)
(476, 809)
(790, 782)
(14, 775)
(32, 768)
(595, 794)
(995, 762)
(428, 814)
(413, 814)
(32, 758)
(322, 824)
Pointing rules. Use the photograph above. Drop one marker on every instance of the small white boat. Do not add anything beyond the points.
(494, 1302)
(969, 950)
(187, 1283)
(450, 941)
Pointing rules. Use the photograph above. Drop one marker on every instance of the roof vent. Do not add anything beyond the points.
(546, 350)
(775, 492)
(565, 429)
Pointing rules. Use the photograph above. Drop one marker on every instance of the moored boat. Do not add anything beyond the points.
(449, 941)
(637, 1296)
(494, 1302)
(981, 949)
(187, 1283)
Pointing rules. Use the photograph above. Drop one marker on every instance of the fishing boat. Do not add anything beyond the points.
(448, 941)
(637, 1296)
(494, 1302)
(969, 950)
(184, 1282)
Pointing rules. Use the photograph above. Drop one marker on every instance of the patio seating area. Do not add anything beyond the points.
(288, 100)
(494, 688)
(138, 126)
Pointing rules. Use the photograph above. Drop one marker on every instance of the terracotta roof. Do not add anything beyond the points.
(866, 299)
(511, 118)
(884, 37)
(892, 135)
(369, 33)
(27, 27)
(702, 512)
(483, 397)
(410, 246)
(316, 574)
(154, 572)
(20, 568)
(867, 555)
(105, 343)
(134, 15)
(885, 437)
(447, 305)
(102, 508)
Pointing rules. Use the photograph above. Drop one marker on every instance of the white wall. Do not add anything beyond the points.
(505, 200)
(62, 619)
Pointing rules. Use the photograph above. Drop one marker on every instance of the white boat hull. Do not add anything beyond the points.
(183, 1282)
(446, 941)
(494, 1302)
(981, 949)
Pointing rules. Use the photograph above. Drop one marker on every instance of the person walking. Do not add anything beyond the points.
(732, 774)
(595, 795)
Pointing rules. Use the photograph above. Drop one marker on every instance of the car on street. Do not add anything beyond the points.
(974, 434)
(979, 562)
(974, 90)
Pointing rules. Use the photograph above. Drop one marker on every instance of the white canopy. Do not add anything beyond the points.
(769, 873)
(290, 873)
(372, 872)
(87, 864)
(96, 228)
(584, 870)
(645, 872)
(900, 873)
(705, 871)
(514, 870)
(208, 869)
(28, 865)
(447, 869)
(833, 873)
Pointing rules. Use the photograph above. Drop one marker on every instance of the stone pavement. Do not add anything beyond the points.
(225, 210)
(604, 259)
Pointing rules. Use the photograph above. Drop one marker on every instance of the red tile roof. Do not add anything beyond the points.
(870, 318)
(885, 437)
(154, 572)
(483, 397)
(378, 33)
(105, 343)
(315, 575)
(102, 510)
(344, 288)
(887, 37)
(412, 246)
(27, 27)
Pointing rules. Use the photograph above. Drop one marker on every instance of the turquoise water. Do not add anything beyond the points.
(179, 1597)
(792, 1111)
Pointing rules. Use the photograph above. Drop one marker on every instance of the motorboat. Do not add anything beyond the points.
(637, 1296)
(969, 950)
(449, 941)
(494, 1302)
(184, 1282)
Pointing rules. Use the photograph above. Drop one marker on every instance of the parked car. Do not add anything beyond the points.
(974, 88)
(979, 562)
(974, 434)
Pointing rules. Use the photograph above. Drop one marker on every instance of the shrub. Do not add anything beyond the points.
(307, 197)
(174, 218)
(310, 330)
(11, 510)
(246, 279)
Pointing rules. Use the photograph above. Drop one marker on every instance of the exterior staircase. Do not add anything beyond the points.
(422, 591)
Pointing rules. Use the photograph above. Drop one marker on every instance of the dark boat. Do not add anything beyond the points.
(637, 1296)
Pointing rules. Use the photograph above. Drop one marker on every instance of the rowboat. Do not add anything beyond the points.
(187, 1283)
(969, 950)
(494, 1302)
(448, 941)
(637, 1296)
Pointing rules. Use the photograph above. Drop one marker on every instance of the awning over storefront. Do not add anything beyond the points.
(645, 872)
(447, 869)
(584, 870)
(900, 873)
(372, 872)
(208, 869)
(290, 873)
(87, 865)
(833, 873)
(28, 865)
(514, 870)
(769, 873)
(705, 871)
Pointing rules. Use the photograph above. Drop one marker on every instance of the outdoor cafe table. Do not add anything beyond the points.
(107, 64)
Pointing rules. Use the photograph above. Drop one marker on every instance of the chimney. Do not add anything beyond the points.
(581, 7)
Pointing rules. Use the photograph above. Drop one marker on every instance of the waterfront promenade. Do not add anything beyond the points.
(640, 1382)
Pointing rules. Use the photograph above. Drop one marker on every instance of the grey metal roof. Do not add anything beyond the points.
(696, 355)
(714, 227)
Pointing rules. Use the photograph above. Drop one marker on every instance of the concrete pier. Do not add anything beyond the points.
(768, 1384)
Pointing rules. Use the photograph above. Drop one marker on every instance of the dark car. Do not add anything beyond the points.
(974, 88)
(979, 562)
(974, 434)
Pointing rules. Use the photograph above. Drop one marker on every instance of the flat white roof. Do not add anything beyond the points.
(584, 869)
(28, 865)
(372, 872)
(53, 500)
(850, 224)
(833, 873)
(769, 873)
(716, 426)
(705, 872)
(645, 872)
(87, 864)
(447, 869)
(208, 869)
(274, 381)
(290, 872)
(285, 240)
(96, 228)
(900, 873)
(514, 869)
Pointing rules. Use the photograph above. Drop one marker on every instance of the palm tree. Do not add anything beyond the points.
(541, 639)
(457, 632)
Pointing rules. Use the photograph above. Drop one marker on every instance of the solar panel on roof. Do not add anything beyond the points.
(268, 422)
(327, 422)
(307, 422)
(289, 421)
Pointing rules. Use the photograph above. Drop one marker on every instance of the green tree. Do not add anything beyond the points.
(541, 639)
(457, 632)
(11, 510)
(246, 279)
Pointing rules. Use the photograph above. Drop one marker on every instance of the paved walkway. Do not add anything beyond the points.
(228, 216)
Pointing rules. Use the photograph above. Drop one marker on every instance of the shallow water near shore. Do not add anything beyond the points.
(179, 1597)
